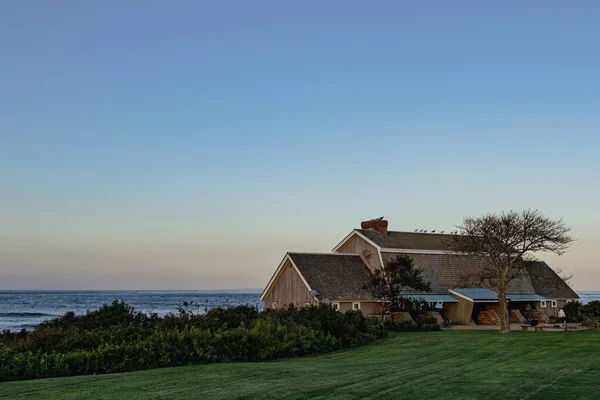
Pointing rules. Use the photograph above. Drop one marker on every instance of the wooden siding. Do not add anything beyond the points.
(356, 245)
(370, 308)
(450, 309)
(288, 289)
(366, 307)
(549, 310)
(460, 312)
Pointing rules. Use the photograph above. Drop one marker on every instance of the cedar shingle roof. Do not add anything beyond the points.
(449, 271)
(334, 276)
(408, 240)
(547, 283)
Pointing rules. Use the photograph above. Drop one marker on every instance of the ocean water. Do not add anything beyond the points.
(25, 309)
(590, 295)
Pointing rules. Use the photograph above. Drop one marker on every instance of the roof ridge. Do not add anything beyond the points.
(412, 233)
(322, 254)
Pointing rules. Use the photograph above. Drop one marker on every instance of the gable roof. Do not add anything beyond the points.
(408, 240)
(446, 271)
(547, 283)
(334, 276)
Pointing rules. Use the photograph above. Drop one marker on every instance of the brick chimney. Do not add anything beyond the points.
(378, 225)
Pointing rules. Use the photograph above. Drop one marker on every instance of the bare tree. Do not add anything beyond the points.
(506, 242)
(566, 278)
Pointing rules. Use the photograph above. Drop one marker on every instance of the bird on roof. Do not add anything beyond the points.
(433, 231)
(379, 219)
(442, 232)
(416, 230)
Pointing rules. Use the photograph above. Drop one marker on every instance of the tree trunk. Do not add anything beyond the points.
(504, 317)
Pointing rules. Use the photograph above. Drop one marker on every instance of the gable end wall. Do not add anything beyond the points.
(288, 289)
(356, 245)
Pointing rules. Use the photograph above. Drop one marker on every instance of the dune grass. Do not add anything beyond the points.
(436, 365)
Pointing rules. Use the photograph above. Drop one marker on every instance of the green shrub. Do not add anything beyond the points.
(591, 309)
(400, 326)
(424, 324)
(429, 326)
(571, 310)
(375, 327)
(116, 338)
(589, 322)
(428, 320)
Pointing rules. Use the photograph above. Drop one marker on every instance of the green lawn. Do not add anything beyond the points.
(435, 365)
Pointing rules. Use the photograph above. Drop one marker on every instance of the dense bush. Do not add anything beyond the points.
(116, 338)
(591, 309)
(423, 324)
(572, 311)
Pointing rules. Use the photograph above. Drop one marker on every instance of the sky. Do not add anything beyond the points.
(190, 144)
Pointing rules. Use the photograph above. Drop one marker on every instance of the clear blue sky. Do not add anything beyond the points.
(189, 144)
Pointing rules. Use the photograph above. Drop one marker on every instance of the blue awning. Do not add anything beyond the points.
(526, 297)
(476, 293)
(430, 298)
(483, 294)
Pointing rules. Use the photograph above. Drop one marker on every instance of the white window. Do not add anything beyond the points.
(356, 306)
(554, 303)
(543, 303)
(274, 305)
(336, 306)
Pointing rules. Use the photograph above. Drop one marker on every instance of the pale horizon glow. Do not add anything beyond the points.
(189, 145)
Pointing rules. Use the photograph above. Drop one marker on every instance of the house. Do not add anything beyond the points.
(339, 277)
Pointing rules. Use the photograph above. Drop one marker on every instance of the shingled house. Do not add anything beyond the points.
(339, 277)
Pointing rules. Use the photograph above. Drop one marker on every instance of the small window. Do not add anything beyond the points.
(336, 306)
(543, 303)
(356, 306)
(554, 303)
(274, 305)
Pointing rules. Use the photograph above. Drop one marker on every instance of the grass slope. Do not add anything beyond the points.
(439, 365)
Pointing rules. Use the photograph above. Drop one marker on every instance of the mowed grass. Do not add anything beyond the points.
(433, 365)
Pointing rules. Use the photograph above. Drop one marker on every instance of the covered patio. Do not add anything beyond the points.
(480, 306)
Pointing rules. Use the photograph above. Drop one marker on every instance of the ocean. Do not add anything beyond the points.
(589, 295)
(25, 309)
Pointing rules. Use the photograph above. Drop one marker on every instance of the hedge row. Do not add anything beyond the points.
(117, 339)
